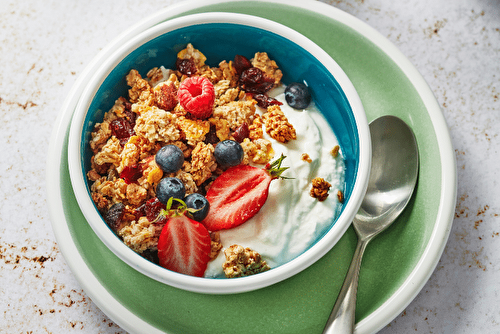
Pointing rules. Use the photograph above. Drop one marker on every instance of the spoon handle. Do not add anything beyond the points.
(342, 319)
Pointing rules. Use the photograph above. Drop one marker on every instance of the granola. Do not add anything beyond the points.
(152, 117)
(243, 262)
(124, 174)
(320, 188)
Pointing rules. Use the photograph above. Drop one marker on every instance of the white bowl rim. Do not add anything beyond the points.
(208, 285)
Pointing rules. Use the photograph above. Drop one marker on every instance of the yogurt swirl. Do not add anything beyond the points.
(291, 220)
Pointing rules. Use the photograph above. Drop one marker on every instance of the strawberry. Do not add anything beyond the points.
(184, 244)
(196, 95)
(239, 193)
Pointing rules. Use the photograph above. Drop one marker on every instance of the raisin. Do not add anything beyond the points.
(265, 101)
(186, 66)
(131, 174)
(241, 63)
(241, 132)
(122, 130)
(114, 216)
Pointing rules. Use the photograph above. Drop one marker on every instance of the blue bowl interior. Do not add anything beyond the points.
(222, 41)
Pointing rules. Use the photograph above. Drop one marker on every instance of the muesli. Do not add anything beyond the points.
(186, 168)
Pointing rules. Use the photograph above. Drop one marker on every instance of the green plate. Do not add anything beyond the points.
(396, 264)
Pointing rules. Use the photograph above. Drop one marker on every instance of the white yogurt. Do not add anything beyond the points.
(291, 220)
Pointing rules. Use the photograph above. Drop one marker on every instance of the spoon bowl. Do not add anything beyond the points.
(393, 176)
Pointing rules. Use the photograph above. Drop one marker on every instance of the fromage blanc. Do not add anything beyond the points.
(291, 220)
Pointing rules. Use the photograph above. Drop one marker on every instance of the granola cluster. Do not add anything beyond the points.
(320, 188)
(242, 262)
(123, 168)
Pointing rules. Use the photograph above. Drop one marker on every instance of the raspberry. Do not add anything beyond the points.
(196, 95)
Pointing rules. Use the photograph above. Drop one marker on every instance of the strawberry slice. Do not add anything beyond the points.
(239, 193)
(184, 246)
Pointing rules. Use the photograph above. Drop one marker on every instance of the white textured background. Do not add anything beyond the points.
(45, 45)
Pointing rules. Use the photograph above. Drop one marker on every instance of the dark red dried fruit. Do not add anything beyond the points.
(122, 129)
(252, 76)
(153, 208)
(241, 132)
(166, 97)
(211, 136)
(254, 81)
(241, 63)
(186, 66)
(131, 174)
(114, 216)
(265, 101)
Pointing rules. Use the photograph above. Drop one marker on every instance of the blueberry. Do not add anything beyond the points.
(169, 158)
(170, 187)
(198, 202)
(228, 153)
(297, 95)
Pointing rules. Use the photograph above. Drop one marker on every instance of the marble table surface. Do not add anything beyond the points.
(45, 45)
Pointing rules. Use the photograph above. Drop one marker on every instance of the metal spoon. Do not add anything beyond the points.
(393, 176)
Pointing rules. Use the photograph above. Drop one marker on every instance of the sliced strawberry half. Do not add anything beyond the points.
(238, 194)
(184, 246)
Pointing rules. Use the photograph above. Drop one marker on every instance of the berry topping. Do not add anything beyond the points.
(152, 208)
(184, 244)
(186, 66)
(122, 129)
(114, 215)
(241, 132)
(241, 63)
(131, 174)
(297, 95)
(196, 95)
(265, 101)
(228, 153)
(170, 187)
(169, 158)
(199, 204)
(239, 193)
(253, 80)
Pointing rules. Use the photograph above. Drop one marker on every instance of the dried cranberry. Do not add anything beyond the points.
(130, 174)
(186, 66)
(211, 136)
(252, 76)
(122, 129)
(241, 132)
(265, 101)
(241, 63)
(153, 208)
(254, 81)
(140, 211)
(114, 216)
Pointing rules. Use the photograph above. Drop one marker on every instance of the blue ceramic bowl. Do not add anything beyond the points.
(221, 36)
